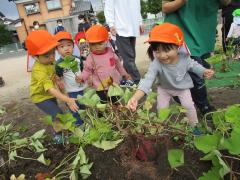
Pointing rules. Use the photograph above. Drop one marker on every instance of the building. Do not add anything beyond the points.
(46, 12)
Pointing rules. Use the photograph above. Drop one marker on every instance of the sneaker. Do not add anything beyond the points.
(126, 83)
(196, 131)
(58, 139)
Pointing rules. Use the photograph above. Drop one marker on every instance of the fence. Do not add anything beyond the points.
(149, 23)
(9, 48)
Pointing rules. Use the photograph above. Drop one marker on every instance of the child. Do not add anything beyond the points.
(171, 66)
(73, 88)
(102, 67)
(234, 33)
(41, 46)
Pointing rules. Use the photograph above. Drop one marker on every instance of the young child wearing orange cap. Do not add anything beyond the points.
(171, 66)
(41, 46)
(73, 89)
(102, 65)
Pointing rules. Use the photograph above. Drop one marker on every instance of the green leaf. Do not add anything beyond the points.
(164, 113)
(127, 95)
(101, 107)
(85, 170)
(95, 99)
(44, 161)
(232, 144)
(207, 143)
(39, 134)
(83, 158)
(211, 155)
(20, 142)
(37, 145)
(232, 114)
(12, 155)
(47, 120)
(175, 157)
(211, 175)
(88, 93)
(115, 91)
(107, 145)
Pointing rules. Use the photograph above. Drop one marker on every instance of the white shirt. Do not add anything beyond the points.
(234, 31)
(125, 15)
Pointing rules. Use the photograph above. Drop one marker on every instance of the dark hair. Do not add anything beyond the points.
(35, 23)
(82, 16)
(59, 20)
(154, 46)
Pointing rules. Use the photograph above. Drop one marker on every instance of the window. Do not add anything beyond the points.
(53, 4)
(32, 8)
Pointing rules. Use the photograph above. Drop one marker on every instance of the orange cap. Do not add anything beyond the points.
(63, 35)
(40, 42)
(166, 33)
(97, 33)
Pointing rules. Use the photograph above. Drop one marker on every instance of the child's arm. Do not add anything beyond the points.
(86, 72)
(144, 86)
(133, 102)
(169, 7)
(70, 101)
(198, 69)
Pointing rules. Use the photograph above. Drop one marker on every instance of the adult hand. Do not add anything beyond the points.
(72, 104)
(208, 73)
(141, 29)
(132, 104)
(113, 30)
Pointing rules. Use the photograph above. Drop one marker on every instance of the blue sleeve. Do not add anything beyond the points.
(58, 69)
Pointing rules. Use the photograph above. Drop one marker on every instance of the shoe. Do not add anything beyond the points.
(58, 139)
(196, 131)
(126, 83)
(2, 83)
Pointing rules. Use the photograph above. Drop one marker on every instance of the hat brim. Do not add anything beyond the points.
(162, 41)
(47, 48)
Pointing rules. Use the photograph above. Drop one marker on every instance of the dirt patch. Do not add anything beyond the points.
(117, 164)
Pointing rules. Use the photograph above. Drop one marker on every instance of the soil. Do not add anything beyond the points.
(117, 164)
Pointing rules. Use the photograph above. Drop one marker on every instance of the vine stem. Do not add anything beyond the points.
(229, 157)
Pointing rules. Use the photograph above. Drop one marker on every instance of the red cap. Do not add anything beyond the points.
(166, 33)
(40, 42)
(97, 33)
(63, 35)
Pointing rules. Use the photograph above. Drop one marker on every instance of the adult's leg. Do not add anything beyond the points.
(187, 102)
(126, 48)
(50, 107)
(199, 91)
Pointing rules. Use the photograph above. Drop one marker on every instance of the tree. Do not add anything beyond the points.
(101, 17)
(154, 6)
(144, 9)
(5, 35)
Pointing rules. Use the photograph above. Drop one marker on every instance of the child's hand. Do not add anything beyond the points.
(78, 79)
(208, 73)
(132, 104)
(72, 104)
(128, 77)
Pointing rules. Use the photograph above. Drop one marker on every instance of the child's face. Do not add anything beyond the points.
(167, 57)
(65, 48)
(47, 58)
(98, 48)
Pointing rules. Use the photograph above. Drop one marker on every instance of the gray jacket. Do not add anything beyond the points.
(171, 76)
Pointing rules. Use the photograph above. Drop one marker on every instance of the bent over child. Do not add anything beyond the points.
(171, 66)
(41, 46)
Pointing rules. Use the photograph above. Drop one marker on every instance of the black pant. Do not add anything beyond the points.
(126, 48)
(199, 91)
(104, 97)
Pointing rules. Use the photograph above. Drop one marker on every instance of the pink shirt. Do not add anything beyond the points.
(106, 67)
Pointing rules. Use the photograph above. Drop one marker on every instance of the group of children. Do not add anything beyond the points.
(169, 64)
